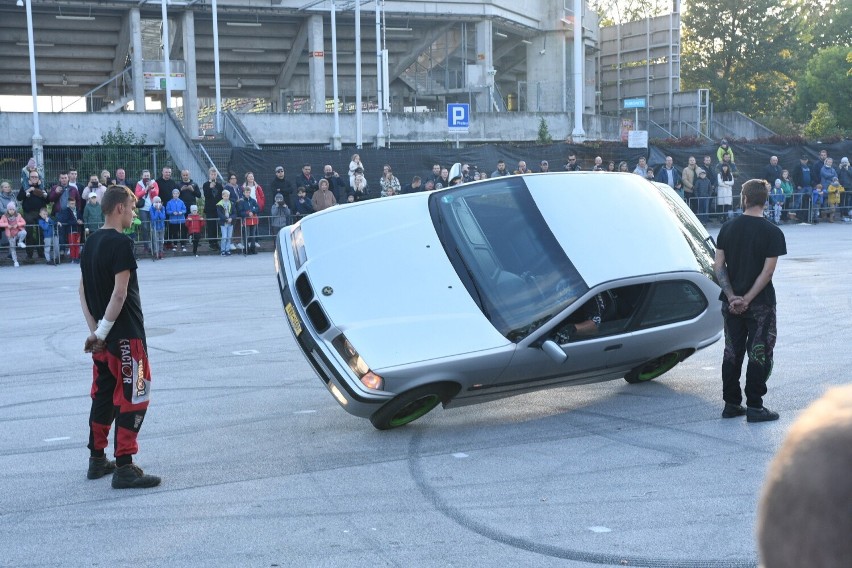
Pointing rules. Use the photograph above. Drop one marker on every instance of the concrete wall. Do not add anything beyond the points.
(737, 125)
(421, 127)
(83, 129)
(78, 129)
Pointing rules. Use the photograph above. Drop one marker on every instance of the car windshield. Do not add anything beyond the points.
(504, 252)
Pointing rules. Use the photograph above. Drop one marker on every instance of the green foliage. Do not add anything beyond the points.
(824, 81)
(120, 137)
(744, 52)
(544, 136)
(613, 12)
(781, 124)
(119, 148)
(823, 122)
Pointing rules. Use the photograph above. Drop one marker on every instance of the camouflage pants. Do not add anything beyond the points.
(751, 333)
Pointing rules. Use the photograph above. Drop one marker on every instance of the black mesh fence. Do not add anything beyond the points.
(408, 161)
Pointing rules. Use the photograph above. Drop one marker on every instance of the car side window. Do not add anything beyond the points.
(673, 301)
(607, 313)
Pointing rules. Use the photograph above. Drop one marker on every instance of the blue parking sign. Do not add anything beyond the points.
(458, 117)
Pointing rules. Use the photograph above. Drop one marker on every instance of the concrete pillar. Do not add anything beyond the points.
(578, 70)
(485, 61)
(190, 95)
(545, 73)
(136, 60)
(316, 63)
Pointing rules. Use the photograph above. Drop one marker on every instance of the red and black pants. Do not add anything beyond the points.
(121, 390)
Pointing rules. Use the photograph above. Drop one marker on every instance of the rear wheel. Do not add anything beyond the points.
(409, 406)
(655, 367)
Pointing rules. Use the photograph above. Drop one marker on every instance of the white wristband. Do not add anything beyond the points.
(104, 326)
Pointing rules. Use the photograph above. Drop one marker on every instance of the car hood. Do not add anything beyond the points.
(416, 311)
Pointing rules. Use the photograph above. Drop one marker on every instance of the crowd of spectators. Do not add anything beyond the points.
(52, 219)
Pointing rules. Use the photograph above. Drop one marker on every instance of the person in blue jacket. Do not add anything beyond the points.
(176, 212)
(158, 228)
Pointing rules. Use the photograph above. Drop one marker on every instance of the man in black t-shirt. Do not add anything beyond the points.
(121, 385)
(747, 252)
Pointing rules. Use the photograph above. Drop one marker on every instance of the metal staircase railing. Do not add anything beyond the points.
(116, 88)
(182, 149)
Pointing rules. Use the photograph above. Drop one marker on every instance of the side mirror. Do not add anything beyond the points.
(552, 349)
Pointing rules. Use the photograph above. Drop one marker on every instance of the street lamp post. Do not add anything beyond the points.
(166, 54)
(38, 141)
(335, 139)
(216, 69)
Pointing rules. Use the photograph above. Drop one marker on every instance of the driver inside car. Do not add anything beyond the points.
(587, 320)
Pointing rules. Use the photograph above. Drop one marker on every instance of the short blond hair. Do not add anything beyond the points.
(804, 516)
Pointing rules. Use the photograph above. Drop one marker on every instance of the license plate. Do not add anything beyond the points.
(294, 319)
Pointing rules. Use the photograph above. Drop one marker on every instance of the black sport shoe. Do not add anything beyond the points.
(733, 410)
(99, 467)
(131, 476)
(760, 415)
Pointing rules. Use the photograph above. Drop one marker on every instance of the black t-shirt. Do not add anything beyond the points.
(748, 241)
(107, 253)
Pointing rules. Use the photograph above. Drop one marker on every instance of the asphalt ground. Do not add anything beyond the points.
(262, 468)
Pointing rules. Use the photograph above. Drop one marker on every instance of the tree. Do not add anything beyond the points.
(825, 80)
(823, 122)
(544, 136)
(613, 12)
(119, 148)
(744, 52)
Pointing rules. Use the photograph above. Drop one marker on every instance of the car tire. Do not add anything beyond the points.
(409, 406)
(655, 367)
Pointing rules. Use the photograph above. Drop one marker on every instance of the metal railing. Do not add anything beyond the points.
(118, 88)
(183, 149)
(236, 133)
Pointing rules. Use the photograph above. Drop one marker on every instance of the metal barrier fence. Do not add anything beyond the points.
(797, 208)
(174, 242)
(86, 159)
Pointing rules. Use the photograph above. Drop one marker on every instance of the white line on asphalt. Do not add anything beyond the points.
(460, 455)
(304, 412)
(245, 352)
(58, 439)
(600, 529)
(708, 368)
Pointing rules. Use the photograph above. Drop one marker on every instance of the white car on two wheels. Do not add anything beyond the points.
(474, 292)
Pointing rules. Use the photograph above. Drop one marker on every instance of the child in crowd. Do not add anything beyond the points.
(132, 230)
(304, 206)
(176, 212)
(50, 233)
(13, 224)
(776, 202)
(71, 226)
(834, 192)
(816, 202)
(280, 214)
(248, 209)
(225, 209)
(194, 224)
(93, 216)
(158, 228)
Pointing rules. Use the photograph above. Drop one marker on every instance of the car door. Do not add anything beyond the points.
(662, 322)
(588, 357)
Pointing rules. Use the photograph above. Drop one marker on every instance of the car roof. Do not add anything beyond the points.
(612, 225)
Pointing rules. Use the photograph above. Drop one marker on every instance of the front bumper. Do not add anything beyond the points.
(316, 347)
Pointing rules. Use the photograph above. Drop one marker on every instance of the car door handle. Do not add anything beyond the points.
(612, 347)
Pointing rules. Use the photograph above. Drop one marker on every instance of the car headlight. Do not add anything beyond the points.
(298, 241)
(368, 378)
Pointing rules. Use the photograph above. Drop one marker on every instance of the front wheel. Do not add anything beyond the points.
(408, 406)
(655, 367)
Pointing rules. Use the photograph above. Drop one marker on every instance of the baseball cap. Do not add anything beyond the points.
(279, 169)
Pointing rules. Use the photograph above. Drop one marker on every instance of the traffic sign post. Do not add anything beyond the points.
(458, 117)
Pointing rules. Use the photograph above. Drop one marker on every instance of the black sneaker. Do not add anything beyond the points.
(760, 415)
(99, 467)
(131, 476)
(733, 410)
